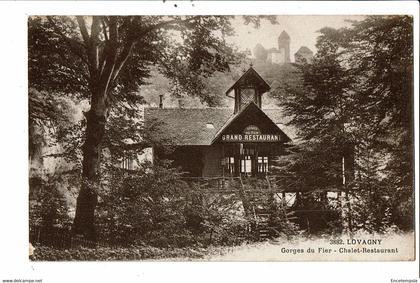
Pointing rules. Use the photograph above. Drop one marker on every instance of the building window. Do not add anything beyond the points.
(246, 165)
(262, 164)
(230, 165)
(127, 163)
(247, 95)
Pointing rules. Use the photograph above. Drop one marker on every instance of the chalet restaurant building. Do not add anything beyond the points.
(222, 142)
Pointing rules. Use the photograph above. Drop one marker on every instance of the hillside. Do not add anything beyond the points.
(277, 76)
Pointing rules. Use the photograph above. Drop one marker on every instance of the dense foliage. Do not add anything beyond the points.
(354, 115)
(352, 107)
(117, 253)
(154, 205)
(50, 209)
(105, 59)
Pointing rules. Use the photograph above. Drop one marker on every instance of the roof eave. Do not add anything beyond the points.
(266, 86)
(218, 134)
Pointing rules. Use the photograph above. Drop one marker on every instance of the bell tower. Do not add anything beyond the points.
(284, 45)
(248, 88)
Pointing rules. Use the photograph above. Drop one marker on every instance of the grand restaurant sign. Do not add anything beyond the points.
(251, 134)
(251, 138)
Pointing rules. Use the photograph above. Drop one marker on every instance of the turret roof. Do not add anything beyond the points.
(284, 35)
(304, 49)
(250, 77)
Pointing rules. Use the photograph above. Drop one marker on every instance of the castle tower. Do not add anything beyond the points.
(303, 55)
(284, 45)
(259, 52)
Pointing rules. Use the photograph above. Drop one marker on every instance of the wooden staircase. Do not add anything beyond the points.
(258, 194)
(262, 227)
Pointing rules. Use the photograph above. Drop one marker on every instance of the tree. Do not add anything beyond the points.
(354, 105)
(105, 59)
(321, 108)
(382, 58)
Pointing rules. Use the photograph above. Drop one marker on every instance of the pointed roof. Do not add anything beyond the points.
(259, 46)
(304, 49)
(188, 126)
(251, 106)
(253, 77)
(284, 35)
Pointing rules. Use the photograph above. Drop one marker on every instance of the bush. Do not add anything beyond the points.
(48, 211)
(402, 214)
(279, 220)
(154, 205)
(316, 215)
(43, 253)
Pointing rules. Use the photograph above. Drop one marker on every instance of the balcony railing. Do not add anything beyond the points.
(280, 184)
(273, 183)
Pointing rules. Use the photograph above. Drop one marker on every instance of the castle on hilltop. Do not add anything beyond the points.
(281, 54)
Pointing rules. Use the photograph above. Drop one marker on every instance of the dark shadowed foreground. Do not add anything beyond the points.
(361, 247)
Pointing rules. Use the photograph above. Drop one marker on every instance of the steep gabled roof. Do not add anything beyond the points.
(189, 126)
(243, 112)
(250, 76)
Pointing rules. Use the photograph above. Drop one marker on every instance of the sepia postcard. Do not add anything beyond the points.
(215, 141)
(238, 138)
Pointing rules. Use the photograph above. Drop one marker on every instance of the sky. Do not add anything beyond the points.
(303, 31)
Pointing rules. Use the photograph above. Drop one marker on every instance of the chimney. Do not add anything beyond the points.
(161, 101)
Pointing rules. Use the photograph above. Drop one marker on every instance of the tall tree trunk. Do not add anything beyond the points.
(84, 223)
(102, 70)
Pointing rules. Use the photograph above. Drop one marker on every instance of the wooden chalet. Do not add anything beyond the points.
(232, 151)
(222, 142)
